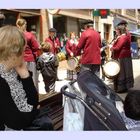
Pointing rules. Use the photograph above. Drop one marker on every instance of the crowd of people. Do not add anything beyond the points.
(20, 60)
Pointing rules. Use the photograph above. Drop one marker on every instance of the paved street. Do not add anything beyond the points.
(62, 75)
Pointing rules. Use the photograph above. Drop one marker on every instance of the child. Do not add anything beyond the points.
(47, 63)
(130, 110)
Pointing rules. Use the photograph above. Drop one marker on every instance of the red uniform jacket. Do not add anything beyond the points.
(90, 44)
(70, 47)
(121, 48)
(31, 43)
(55, 44)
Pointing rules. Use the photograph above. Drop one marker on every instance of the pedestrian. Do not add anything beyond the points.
(19, 97)
(70, 49)
(31, 49)
(89, 48)
(122, 53)
(47, 63)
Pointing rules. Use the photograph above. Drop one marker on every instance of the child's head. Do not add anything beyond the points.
(46, 46)
(132, 105)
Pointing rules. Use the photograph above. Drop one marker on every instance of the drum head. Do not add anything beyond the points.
(111, 68)
(72, 63)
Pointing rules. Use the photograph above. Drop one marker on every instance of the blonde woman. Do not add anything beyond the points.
(19, 98)
(31, 49)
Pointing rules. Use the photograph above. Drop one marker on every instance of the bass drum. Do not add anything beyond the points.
(111, 69)
(73, 63)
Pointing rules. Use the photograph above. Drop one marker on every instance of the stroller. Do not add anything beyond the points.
(89, 104)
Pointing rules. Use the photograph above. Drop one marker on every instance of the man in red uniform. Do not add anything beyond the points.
(89, 49)
(53, 40)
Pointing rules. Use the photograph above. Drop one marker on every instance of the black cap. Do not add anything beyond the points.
(52, 30)
(123, 22)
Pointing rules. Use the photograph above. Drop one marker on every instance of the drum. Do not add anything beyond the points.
(73, 63)
(61, 56)
(111, 69)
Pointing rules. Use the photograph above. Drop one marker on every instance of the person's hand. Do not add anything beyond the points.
(22, 70)
(71, 54)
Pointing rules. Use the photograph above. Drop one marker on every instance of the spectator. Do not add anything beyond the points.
(47, 63)
(19, 97)
(130, 110)
(54, 41)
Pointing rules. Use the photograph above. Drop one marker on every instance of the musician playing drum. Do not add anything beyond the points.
(121, 52)
(90, 44)
(70, 49)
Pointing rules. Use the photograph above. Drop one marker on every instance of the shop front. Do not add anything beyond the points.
(70, 20)
(32, 16)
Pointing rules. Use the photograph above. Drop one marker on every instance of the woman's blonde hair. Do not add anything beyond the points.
(20, 22)
(46, 46)
(12, 41)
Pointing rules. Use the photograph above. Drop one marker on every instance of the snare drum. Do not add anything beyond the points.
(61, 56)
(111, 68)
(73, 63)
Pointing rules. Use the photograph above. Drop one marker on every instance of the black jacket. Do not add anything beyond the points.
(9, 113)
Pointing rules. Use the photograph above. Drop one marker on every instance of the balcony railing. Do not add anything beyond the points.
(118, 11)
(131, 12)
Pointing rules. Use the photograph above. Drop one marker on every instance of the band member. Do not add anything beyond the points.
(31, 49)
(89, 44)
(124, 24)
(53, 40)
(122, 53)
(70, 48)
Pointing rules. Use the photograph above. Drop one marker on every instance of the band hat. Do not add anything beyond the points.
(52, 30)
(122, 22)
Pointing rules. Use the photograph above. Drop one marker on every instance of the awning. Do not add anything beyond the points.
(77, 13)
(135, 33)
